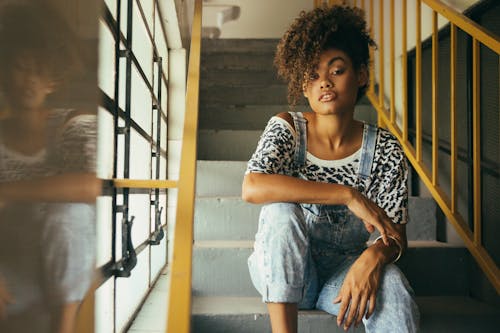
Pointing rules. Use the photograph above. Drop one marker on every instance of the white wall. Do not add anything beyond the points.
(258, 18)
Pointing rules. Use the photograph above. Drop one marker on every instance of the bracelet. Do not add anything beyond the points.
(400, 248)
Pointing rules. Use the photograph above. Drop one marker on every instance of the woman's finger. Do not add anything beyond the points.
(370, 228)
(362, 309)
(344, 305)
(352, 313)
(371, 306)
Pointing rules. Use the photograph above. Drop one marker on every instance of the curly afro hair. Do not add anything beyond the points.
(323, 28)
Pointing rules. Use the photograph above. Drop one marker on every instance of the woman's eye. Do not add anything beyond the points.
(337, 71)
(313, 77)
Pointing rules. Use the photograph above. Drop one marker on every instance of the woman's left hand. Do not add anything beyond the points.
(358, 292)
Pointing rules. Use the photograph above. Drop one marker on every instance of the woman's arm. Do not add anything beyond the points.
(265, 188)
(68, 187)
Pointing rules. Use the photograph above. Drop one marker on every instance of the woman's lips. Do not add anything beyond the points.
(327, 97)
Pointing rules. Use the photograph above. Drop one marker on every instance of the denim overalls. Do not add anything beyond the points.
(302, 252)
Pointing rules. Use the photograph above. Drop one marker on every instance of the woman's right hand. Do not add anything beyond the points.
(373, 216)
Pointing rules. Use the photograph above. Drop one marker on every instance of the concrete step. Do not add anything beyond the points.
(229, 218)
(219, 178)
(239, 117)
(238, 45)
(274, 94)
(227, 145)
(238, 77)
(252, 60)
(249, 315)
(433, 268)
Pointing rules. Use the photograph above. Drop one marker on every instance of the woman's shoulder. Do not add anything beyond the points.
(386, 138)
(388, 147)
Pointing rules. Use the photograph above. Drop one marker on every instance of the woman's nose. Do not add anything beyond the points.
(325, 83)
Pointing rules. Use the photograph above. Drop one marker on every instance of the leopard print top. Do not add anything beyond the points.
(387, 185)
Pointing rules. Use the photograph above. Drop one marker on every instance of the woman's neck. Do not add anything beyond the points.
(335, 131)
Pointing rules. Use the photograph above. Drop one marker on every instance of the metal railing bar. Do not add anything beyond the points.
(144, 183)
(476, 133)
(482, 35)
(145, 22)
(109, 105)
(144, 78)
(482, 257)
(487, 166)
(392, 103)
(161, 20)
(372, 52)
(112, 25)
(107, 270)
(453, 116)
(418, 80)
(435, 137)
(381, 82)
(404, 70)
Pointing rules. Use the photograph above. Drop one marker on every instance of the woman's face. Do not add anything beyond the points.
(26, 85)
(333, 87)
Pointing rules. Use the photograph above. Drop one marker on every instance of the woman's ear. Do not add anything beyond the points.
(304, 90)
(362, 75)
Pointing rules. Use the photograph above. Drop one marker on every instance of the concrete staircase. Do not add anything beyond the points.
(239, 93)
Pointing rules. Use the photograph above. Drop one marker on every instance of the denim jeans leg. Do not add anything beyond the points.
(395, 311)
(279, 263)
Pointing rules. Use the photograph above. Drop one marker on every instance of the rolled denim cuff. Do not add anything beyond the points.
(279, 293)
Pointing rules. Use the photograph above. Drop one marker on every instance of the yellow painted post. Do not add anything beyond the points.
(435, 138)
(179, 301)
(418, 80)
(392, 107)
(381, 82)
(476, 133)
(372, 52)
(453, 122)
(404, 64)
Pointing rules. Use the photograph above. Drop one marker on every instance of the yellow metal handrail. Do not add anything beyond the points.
(386, 116)
(179, 301)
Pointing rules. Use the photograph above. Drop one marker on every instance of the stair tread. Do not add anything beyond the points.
(457, 305)
(249, 244)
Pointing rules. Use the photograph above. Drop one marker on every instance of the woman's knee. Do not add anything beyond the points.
(281, 212)
(394, 281)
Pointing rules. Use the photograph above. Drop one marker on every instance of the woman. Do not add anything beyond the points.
(328, 181)
(48, 184)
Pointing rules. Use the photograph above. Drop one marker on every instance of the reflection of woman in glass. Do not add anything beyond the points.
(328, 180)
(48, 184)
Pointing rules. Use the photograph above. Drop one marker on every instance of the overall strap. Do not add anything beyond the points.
(300, 124)
(367, 151)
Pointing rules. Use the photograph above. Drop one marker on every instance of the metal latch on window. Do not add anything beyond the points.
(158, 234)
(129, 257)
